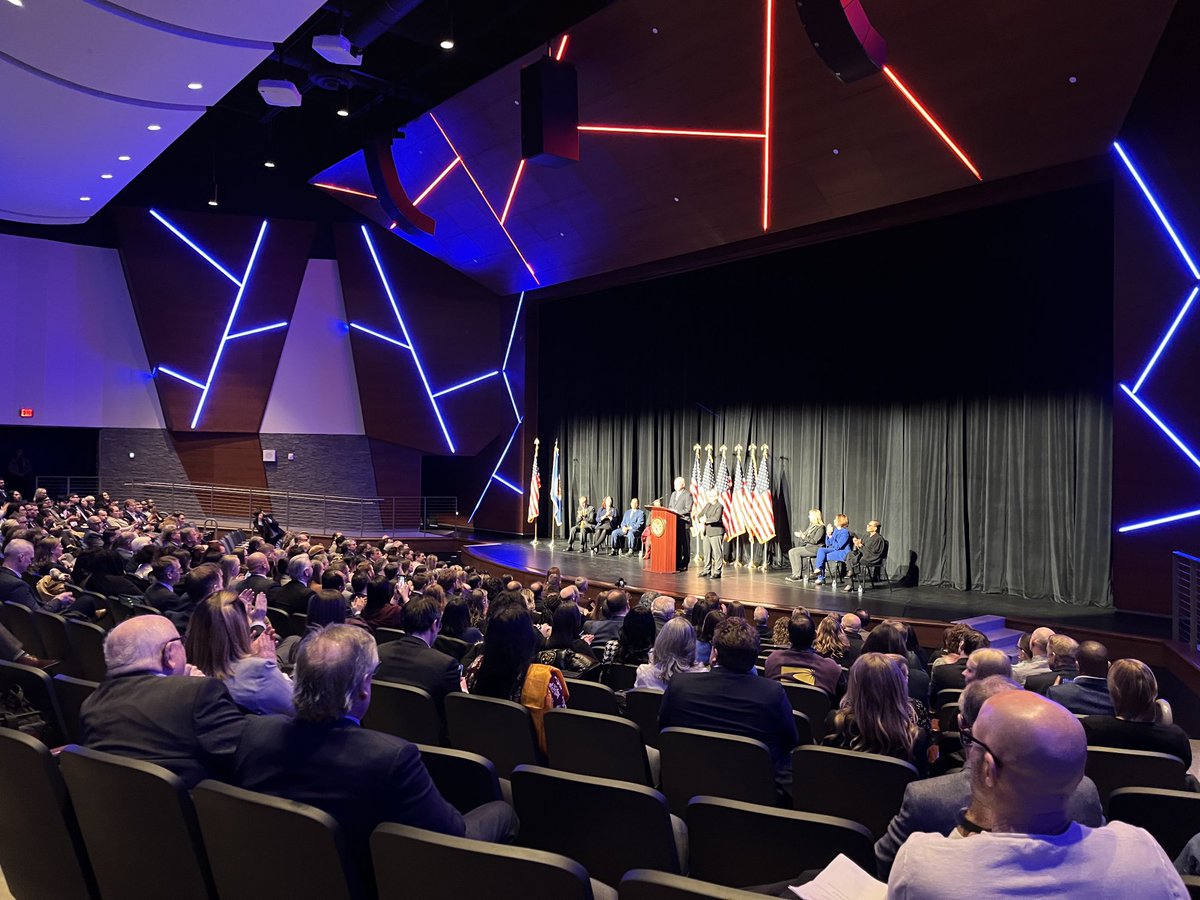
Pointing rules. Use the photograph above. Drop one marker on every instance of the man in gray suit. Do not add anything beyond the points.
(935, 803)
(714, 535)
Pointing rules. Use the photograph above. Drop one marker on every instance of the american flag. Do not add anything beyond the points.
(723, 485)
(707, 482)
(737, 513)
(746, 501)
(556, 489)
(763, 501)
(694, 487)
(535, 488)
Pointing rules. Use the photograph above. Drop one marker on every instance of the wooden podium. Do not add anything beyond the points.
(665, 527)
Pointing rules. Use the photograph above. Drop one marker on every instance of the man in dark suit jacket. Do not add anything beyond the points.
(951, 675)
(294, 595)
(617, 605)
(934, 804)
(411, 659)
(257, 565)
(1087, 693)
(1060, 653)
(732, 699)
(585, 524)
(18, 556)
(713, 539)
(325, 758)
(188, 725)
(161, 594)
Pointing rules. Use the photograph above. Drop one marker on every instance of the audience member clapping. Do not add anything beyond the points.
(219, 645)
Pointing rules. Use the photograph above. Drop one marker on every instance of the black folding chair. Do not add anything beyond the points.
(642, 706)
(405, 711)
(87, 649)
(499, 730)
(813, 702)
(564, 813)
(119, 800)
(876, 571)
(38, 689)
(297, 623)
(946, 696)
(18, 619)
(1172, 817)
(410, 862)
(465, 780)
(1112, 768)
(822, 776)
(804, 728)
(591, 697)
(618, 676)
(71, 692)
(645, 884)
(41, 851)
(52, 629)
(948, 718)
(738, 844)
(279, 620)
(385, 635)
(452, 646)
(243, 829)
(698, 762)
(588, 743)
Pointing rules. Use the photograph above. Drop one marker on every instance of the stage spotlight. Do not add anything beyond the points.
(343, 112)
(269, 164)
(447, 44)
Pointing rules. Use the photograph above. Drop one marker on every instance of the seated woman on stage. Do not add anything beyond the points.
(837, 545)
(606, 522)
(674, 653)
(808, 542)
(876, 714)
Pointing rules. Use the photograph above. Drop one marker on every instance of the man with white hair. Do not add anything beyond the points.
(986, 662)
(709, 515)
(663, 608)
(190, 726)
(1039, 661)
(18, 556)
(294, 595)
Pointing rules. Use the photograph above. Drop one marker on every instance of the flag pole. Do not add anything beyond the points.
(737, 547)
(751, 449)
(765, 452)
(692, 525)
(537, 442)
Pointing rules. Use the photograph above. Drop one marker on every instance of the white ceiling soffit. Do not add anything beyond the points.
(83, 81)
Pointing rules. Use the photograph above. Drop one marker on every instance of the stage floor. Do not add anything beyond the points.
(772, 589)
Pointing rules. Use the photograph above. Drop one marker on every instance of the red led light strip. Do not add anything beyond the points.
(512, 192)
(916, 104)
(674, 132)
(768, 78)
(446, 171)
(344, 190)
(491, 208)
(562, 47)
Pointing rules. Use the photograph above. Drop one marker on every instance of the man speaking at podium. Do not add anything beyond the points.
(681, 502)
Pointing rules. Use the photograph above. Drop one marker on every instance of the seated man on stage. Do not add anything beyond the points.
(808, 542)
(606, 521)
(837, 545)
(629, 533)
(868, 551)
(585, 524)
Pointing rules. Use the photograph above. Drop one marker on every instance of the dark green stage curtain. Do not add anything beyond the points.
(1003, 494)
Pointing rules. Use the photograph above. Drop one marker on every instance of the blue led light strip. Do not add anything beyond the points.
(1136, 526)
(513, 331)
(183, 237)
(494, 471)
(1162, 217)
(382, 337)
(192, 381)
(411, 346)
(508, 484)
(259, 330)
(1166, 338)
(1162, 426)
(237, 302)
(475, 380)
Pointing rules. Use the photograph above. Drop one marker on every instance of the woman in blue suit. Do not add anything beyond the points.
(837, 545)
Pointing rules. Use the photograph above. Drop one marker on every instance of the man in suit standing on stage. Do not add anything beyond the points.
(585, 524)
(714, 535)
(681, 502)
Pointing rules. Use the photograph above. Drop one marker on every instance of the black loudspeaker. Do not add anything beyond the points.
(843, 37)
(549, 113)
(381, 167)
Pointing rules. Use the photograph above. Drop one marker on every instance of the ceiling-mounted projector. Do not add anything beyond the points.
(337, 49)
(278, 93)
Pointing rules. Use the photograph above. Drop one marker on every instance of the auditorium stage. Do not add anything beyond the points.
(773, 590)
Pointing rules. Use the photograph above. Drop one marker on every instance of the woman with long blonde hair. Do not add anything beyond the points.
(831, 641)
(876, 715)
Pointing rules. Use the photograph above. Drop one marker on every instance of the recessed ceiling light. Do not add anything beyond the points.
(676, 199)
(154, 128)
(85, 199)
(343, 112)
(123, 158)
(106, 175)
(447, 44)
(836, 151)
(194, 85)
(269, 164)
(16, 2)
(1072, 79)
(654, 31)
(212, 202)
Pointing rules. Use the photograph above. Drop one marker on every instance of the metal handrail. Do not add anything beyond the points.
(1185, 599)
(235, 506)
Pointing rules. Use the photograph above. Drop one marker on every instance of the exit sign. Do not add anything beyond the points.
(26, 412)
